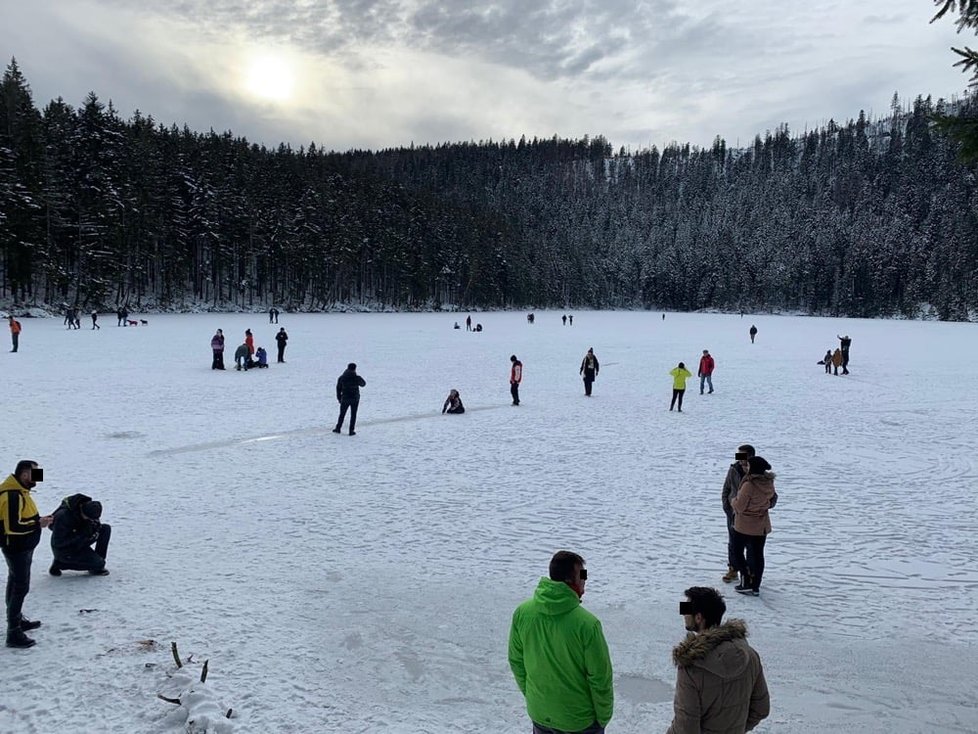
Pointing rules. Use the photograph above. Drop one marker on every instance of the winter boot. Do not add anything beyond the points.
(748, 591)
(745, 583)
(55, 569)
(27, 624)
(17, 638)
(730, 575)
(336, 430)
(101, 572)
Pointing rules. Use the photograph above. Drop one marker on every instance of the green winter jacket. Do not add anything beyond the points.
(560, 660)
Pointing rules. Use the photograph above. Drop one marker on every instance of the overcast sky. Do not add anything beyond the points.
(384, 73)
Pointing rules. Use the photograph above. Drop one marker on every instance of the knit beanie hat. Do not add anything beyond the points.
(758, 465)
(92, 509)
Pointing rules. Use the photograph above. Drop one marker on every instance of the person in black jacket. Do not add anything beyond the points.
(77, 526)
(348, 395)
(21, 526)
(589, 368)
(281, 338)
(453, 403)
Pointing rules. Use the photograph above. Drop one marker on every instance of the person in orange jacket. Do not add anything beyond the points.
(249, 342)
(14, 333)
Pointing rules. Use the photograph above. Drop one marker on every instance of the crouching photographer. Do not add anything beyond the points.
(77, 526)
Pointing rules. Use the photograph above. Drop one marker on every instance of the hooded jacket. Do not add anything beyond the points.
(752, 502)
(71, 532)
(720, 685)
(560, 659)
(679, 377)
(590, 366)
(19, 517)
(707, 365)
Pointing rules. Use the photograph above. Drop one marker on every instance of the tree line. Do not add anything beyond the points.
(866, 218)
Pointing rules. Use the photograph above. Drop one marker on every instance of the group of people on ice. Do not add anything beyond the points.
(838, 358)
(246, 356)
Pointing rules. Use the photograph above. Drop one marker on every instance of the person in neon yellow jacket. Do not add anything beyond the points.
(679, 376)
(559, 656)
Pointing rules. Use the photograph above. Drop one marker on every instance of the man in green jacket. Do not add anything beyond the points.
(559, 656)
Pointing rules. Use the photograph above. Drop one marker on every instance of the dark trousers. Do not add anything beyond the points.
(732, 559)
(595, 728)
(677, 394)
(514, 390)
(352, 405)
(218, 363)
(754, 565)
(588, 381)
(845, 362)
(18, 584)
(87, 559)
(828, 368)
(281, 352)
(15, 338)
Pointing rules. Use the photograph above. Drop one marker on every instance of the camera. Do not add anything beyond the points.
(37, 475)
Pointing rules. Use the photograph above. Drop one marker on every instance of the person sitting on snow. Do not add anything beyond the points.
(262, 358)
(453, 403)
(77, 525)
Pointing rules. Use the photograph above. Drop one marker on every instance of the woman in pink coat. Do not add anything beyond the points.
(752, 523)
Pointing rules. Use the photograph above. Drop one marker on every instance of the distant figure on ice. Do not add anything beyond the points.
(217, 348)
(453, 403)
(589, 369)
(456, 326)
(515, 378)
(570, 319)
(564, 319)
(478, 327)
(827, 361)
(77, 526)
(720, 684)
(837, 360)
(468, 322)
(845, 341)
(752, 522)
(281, 339)
(125, 316)
(15, 330)
(95, 321)
(753, 333)
(348, 395)
(262, 357)
(242, 358)
(663, 317)
(249, 342)
(679, 376)
(706, 370)
(529, 318)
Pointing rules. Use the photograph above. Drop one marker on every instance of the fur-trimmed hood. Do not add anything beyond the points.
(722, 650)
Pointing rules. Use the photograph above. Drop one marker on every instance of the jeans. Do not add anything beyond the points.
(677, 394)
(18, 584)
(514, 390)
(595, 728)
(352, 405)
(708, 379)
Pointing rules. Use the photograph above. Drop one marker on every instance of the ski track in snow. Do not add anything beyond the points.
(366, 583)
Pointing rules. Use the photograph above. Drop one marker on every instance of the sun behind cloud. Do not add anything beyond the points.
(269, 77)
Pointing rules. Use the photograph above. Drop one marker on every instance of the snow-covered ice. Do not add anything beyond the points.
(348, 584)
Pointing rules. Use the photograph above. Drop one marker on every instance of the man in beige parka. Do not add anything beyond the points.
(720, 685)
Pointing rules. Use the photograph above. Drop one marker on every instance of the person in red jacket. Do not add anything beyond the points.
(515, 378)
(706, 370)
(250, 342)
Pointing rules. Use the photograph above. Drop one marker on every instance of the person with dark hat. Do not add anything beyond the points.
(752, 522)
(21, 526)
(77, 526)
(453, 403)
(589, 369)
(348, 395)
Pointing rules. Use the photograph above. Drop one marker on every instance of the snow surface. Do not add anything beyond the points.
(354, 584)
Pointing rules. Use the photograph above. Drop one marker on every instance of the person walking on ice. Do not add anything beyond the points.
(589, 369)
(14, 333)
(515, 378)
(844, 343)
(281, 339)
(827, 361)
(706, 370)
(679, 376)
(836, 360)
(753, 333)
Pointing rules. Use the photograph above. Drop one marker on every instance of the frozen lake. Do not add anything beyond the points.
(366, 583)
